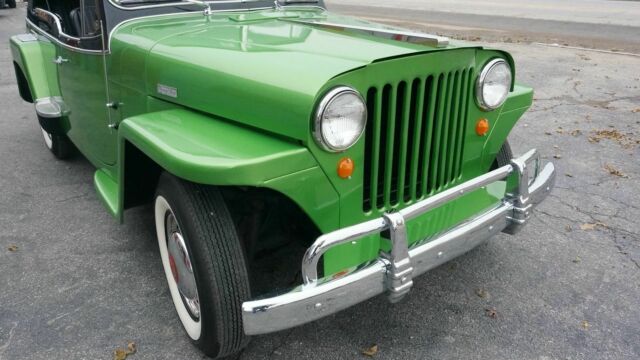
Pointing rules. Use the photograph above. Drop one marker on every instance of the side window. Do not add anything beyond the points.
(74, 22)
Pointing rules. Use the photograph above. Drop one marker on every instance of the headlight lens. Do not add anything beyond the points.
(494, 84)
(340, 119)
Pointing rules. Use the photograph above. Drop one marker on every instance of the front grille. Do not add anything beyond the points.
(415, 138)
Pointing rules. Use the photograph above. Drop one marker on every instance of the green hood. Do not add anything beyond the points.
(261, 68)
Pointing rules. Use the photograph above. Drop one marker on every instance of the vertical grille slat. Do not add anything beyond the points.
(390, 146)
(414, 138)
(466, 90)
(406, 118)
(429, 121)
(418, 119)
(436, 137)
(444, 135)
(453, 127)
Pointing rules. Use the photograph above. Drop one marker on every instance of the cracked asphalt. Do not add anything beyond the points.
(76, 285)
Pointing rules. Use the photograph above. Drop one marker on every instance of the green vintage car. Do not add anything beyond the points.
(298, 162)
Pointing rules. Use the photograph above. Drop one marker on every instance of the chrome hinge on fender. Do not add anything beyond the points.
(399, 268)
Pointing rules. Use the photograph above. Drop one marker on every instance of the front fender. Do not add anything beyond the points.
(33, 56)
(208, 150)
(516, 105)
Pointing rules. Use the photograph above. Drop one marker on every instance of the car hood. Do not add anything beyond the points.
(263, 68)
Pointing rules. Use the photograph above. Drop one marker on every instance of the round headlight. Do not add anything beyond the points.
(340, 119)
(493, 84)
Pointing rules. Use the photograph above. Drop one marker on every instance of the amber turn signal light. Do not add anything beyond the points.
(482, 127)
(345, 168)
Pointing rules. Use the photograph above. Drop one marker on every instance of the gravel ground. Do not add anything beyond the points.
(78, 285)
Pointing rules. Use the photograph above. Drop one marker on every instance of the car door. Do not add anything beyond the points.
(80, 58)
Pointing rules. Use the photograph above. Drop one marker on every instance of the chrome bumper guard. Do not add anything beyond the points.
(393, 272)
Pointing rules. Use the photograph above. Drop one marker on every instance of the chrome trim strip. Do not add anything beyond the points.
(393, 272)
(181, 3)
(33, 27)
(409, 36)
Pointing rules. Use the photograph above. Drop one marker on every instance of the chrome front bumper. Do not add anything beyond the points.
(393, 272)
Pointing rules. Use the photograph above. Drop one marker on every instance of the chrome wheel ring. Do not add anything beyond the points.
(165, 231)
(180, 263)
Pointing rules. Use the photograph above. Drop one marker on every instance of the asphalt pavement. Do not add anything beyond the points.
(76, 285)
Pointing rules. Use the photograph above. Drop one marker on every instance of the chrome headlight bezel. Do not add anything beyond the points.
(481, 83)
(323, 105)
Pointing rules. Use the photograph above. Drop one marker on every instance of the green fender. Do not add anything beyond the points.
(208, 150)
(515, 106)
(34, 58)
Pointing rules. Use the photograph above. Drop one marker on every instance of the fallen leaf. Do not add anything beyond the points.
(613, 171)
(492, 313)
(568, 175)
(637, 110)
(482, 293)
(568, 228)
(625, 140)
(585, 324)
(12, 248)
(121, 354)
(371, 351)
(593, 226)
(576, 132)
(557, 156)
(547, 133)
(577, 259)
(132, 347)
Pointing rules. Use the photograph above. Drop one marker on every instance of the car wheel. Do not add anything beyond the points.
(11, 3)
(504, 156)
(204, 264)
(59, 145)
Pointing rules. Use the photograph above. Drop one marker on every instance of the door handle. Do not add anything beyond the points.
(60, 60)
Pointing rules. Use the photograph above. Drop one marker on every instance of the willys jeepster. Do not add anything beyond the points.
(253, 128)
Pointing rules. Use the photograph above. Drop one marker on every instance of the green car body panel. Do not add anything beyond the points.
(229, 99)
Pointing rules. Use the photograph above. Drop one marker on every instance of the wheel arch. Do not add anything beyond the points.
(209, 151)
(23, 84)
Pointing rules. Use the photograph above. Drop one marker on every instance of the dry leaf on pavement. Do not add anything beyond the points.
(492, 313)
(121, 354)
(613, 171)
(625, 140)
(12, 248)
(592, 226)
(585, 324)
(371, 351)
(482, 293)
